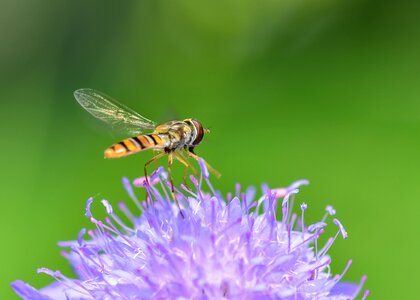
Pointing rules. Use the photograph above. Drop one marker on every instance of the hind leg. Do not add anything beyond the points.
(155, 158)
(156, 152)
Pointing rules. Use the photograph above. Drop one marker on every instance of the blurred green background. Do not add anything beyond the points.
(325, 90)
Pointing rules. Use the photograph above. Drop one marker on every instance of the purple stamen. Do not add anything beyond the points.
(330, 210)
(316, 226)
(297, 184)
(303, 207)
(237, 189)
(126, 211)
(341, 228)
(310, 238)
(130, 192)
(108, 206)
(88, 214)
(80, 237)
(365, 294)
(203, 168)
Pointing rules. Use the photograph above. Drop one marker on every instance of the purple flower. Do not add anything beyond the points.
(233, 248)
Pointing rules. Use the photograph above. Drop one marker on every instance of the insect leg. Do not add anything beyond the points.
(185, 163)
(186, 158)
(155, 152)
(149, 162)
(191, 153)
(170, 160)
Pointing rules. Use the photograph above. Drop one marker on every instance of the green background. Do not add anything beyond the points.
(324, 90)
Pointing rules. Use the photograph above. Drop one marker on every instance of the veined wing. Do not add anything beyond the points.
(115, 114)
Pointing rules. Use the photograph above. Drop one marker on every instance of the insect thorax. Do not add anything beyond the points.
(180, 133)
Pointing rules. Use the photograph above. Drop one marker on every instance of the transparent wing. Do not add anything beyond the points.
(117, 115)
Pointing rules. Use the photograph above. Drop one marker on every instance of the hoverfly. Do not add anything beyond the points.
(171, 138)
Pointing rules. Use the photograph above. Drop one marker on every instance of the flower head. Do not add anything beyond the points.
(230, 247)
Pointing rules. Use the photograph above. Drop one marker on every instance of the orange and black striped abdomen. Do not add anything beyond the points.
(134, 145)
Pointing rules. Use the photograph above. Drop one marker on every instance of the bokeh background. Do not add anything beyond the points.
(325, 90)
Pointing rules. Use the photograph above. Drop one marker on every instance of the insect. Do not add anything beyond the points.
(173, 138)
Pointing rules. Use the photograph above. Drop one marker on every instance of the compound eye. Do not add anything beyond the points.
(200, 132)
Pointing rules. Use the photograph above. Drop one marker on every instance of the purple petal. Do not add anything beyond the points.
(344, 289)
(298, 183)
(88, 214)
(27, 292)
(316, 226)
(80, 236)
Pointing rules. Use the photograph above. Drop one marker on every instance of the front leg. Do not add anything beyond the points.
(190, 152)
(184, 160)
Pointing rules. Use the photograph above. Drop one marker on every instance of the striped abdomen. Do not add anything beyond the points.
(136, 144)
